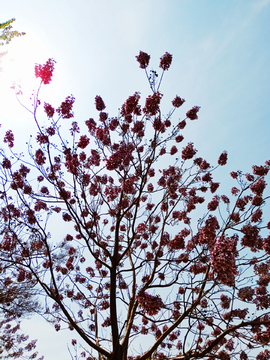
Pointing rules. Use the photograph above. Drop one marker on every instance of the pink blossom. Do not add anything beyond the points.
(234, 174)
(91, 124)
(152, 104)
(213, 204)
(225, 199)
(162, 151)
(49, 110)
(200, 326)
(178, 242)
(66, 107)
(165, 61)
(188, 152)
(45, 71)
(21, 275)
(250, 177)
(179, 138)
(177, 102)
(225, 301)
(235, 217)
(258, 187)
(207, 177)
(143, 59)
(213, 186)
(67, 217)
(113, 124)
(151, 304)
(204, 165)
(246, 293)
(251, 237)
(83, 142)
(131, 106)
(257, 200)
(50, 131)
(40, 205)
(107, 322)
(103, 116)
(234, 191)
(173, 150)
(182, 124)
(260, 170)
(138, 128)
(223, 259)
(6, 163)
(9, 138)
(257, 216)
(42, 139)
(99, 103)
(40, 157)
(192, 113)
(223, 158)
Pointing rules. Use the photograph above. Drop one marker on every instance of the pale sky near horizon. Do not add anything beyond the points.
(221, 62)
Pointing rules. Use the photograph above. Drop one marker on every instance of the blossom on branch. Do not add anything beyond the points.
(143, 59)
(165, 61)
(177, 102)
(66, 107)
(151, 304)
(45, 71)
(101, 231)
(192, 113)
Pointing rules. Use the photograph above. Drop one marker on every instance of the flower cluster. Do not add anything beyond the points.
(143, 59)
(207, 233)
(246, 293)
(83, 142)
(177, 102)
(223, 158)
(251, 237)
(165, 61)
(178, 241)
(122, 156)
(213, 204)
(225, 301)
(260, 170)
(45, 71)
(49, 110)
(99, 103)
(66, 107)
(124, 223)
(40, 157)
(151, 304)
(6, 163)
(192, 113)
(188, 152)
(131, 106)
(258, 187)
(152, 104)
(223, 259)
(42, 138)
(9, 138)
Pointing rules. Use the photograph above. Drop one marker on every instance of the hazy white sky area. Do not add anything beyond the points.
(221, 62)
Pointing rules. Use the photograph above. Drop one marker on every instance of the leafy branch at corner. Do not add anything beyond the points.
(7, 34)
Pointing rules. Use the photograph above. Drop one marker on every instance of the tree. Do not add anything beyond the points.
(103, 224)
(16, 301)
(7, 34)
(19, 300)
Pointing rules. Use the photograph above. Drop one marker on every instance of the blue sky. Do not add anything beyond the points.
(221, 60)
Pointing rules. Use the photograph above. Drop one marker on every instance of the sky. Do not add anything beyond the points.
(221, 62)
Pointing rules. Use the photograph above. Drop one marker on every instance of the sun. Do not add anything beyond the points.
(18, 73)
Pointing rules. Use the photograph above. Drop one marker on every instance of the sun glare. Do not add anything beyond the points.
(17, 73)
